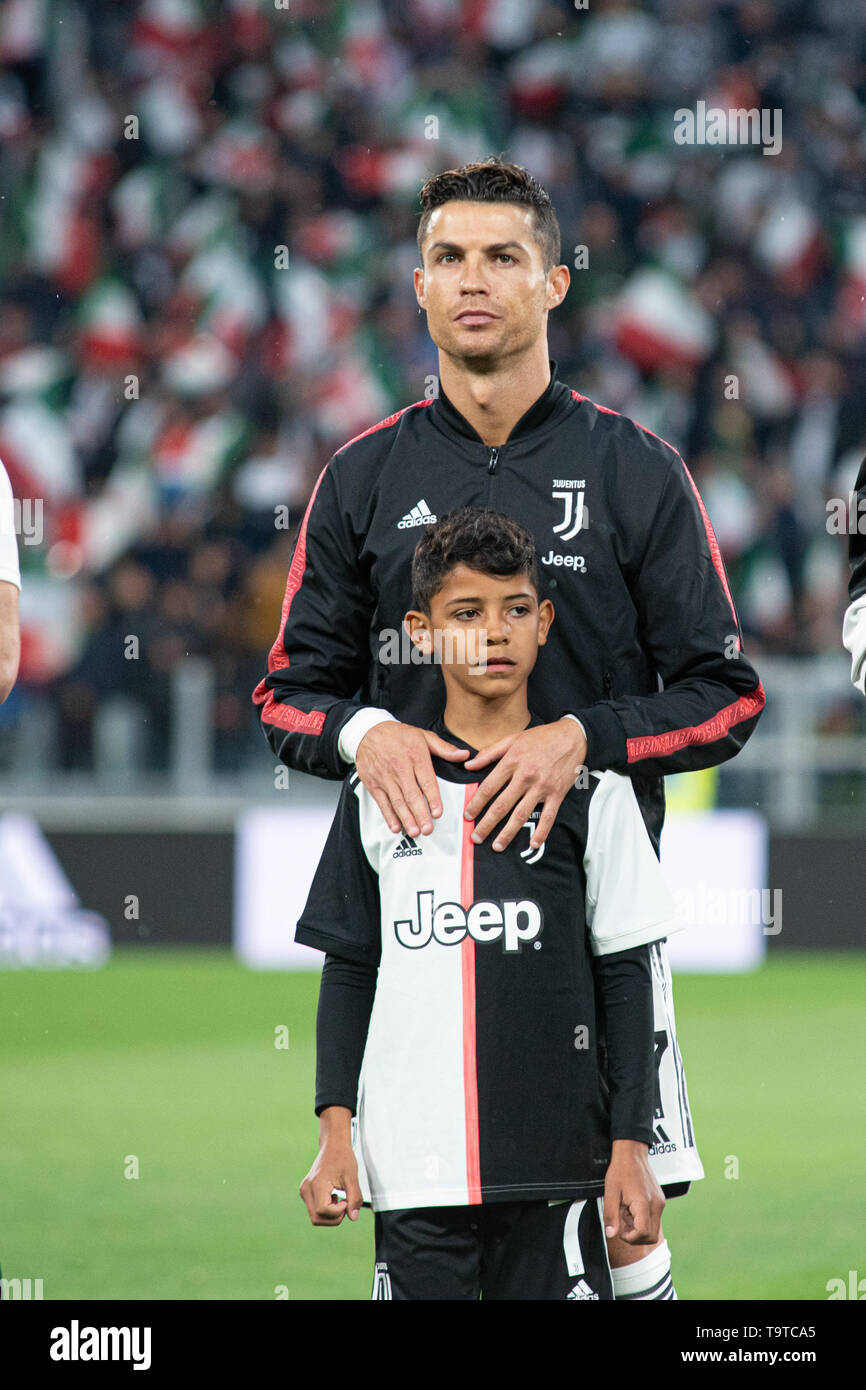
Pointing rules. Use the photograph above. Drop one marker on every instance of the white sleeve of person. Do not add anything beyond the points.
(9, 569)
(628, 901)
(854, 639)
(355, 728)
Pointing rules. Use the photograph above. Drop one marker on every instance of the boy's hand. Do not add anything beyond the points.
(633, 1200)
(538, 765)
(393, 762)
(335, 1167)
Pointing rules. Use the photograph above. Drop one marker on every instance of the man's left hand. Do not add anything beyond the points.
(539, 765)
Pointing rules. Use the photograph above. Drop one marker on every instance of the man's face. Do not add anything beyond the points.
(484, 628)
(483, 283)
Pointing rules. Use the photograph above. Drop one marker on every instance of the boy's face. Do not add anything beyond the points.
(484, 628)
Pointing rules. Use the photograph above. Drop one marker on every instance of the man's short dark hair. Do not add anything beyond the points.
(474, 536)
(492, 181)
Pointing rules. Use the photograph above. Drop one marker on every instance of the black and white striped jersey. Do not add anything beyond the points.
(483, 1075)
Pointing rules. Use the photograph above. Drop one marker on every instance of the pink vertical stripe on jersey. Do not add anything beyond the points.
(467, 965)
(715, 552)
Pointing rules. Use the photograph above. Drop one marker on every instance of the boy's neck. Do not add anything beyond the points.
(484, 721)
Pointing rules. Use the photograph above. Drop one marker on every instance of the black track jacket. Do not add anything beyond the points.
(627, 555)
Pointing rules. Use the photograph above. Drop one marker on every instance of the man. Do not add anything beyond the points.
(10, 584)
(640, 588)
(854, 626)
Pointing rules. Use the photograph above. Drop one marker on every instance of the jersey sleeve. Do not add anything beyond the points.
(320, 656)
(628, 902)
(625, 994)
(712, 697)
(342, 913)
(346, 994)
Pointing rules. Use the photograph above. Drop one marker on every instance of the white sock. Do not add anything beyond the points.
(646, 1279)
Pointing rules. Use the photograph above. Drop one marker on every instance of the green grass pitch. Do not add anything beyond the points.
(164, 1063)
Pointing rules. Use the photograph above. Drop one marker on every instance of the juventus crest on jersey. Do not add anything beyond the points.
(484, 1069)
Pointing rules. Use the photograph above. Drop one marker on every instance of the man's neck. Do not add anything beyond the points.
(493, 402)
(482, 721)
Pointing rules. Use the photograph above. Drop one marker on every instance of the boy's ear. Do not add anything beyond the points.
(418, 626)
(546, 614)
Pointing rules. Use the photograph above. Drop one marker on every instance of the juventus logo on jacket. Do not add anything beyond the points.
(576, 515)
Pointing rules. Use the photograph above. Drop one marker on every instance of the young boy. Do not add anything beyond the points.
(488, 1017)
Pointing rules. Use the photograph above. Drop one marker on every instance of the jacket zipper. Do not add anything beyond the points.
(608, 685)
(492, 465)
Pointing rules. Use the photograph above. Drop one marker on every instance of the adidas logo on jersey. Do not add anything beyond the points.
(406, 847)
(510, 920)
(662, 1143)
(420, 515)
(582, 1290)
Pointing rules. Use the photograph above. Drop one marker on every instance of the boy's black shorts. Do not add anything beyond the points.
(505, 1250)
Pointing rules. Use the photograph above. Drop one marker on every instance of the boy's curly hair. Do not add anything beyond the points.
(475, 536)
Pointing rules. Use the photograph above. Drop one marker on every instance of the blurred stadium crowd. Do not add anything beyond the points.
(206, 253)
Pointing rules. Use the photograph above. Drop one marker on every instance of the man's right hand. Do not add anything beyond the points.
(393, 762)
(335, 1168)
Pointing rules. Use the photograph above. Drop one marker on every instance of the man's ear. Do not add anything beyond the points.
(546, 614)
(558, 281)
(418, 282)
(419, 628)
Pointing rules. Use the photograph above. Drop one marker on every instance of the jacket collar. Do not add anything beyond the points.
(552, 401)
